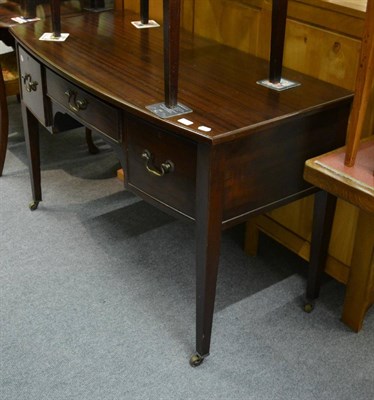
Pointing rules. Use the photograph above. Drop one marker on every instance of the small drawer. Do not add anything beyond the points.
(161, 166)
(84, 106)
(32, 85)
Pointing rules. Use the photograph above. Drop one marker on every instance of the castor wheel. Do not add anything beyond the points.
(33, 205)
(196, 360)
(308, 307)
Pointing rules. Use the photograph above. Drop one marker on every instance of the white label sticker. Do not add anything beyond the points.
(185, 121)
(23, 20)
(204, 128)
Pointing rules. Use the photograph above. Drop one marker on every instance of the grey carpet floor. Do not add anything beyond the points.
(97, 298)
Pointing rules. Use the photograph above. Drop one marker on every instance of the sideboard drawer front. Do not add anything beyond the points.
(31, 84)
(86, 107)
(176, 188)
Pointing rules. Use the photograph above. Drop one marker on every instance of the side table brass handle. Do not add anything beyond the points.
(75, 104)
(166, 167)
(29, 83)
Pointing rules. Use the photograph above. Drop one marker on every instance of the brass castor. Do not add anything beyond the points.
(33, 205)
(308, 307)
(196, 360)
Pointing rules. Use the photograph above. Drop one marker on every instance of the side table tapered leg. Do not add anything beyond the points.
(360, 287)
(31, 128)
(208, 242)
(323, 216)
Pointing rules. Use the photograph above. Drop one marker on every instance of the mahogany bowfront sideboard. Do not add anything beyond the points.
(241, 151)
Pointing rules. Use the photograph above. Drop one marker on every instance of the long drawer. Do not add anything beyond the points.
(88, 109)
(161, 166)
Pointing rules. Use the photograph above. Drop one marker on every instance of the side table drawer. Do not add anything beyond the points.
(161, 166)
(32, 85)
(97, 114)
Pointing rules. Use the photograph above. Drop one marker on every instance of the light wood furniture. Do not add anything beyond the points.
(340, 174)
(363, 87)
(356, 185)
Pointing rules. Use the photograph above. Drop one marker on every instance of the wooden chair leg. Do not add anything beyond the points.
(360, 286)
(363, 87)
(324, 210)
(91, 145)
(4, 124)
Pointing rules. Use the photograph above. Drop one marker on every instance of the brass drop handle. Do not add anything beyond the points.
(75, 104)
(29, 83)
(165, 168)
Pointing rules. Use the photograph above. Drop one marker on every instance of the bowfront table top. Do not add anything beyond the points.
(106, 54)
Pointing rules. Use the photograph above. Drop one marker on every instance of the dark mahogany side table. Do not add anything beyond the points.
(239, 152)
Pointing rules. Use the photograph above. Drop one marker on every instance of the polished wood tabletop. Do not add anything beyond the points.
(125, 65)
